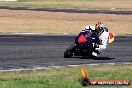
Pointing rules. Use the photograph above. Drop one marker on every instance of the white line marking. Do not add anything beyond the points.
(28, 33)
(57, 66)
(42, 68)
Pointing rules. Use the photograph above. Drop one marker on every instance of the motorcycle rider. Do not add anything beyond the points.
(102, 36)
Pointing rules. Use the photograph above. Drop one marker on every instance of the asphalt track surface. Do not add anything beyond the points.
(29, 51)
(69, 10)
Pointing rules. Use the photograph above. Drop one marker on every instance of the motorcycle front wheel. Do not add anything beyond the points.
(69, 51)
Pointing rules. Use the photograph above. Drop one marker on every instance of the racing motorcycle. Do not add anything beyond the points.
(85, 44)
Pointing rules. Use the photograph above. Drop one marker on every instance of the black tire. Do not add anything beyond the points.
(69, 51)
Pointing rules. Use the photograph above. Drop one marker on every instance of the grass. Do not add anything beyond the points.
(59, 22)
(64, 77)
(74, 4)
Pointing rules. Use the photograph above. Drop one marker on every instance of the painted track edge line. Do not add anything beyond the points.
(61, 66)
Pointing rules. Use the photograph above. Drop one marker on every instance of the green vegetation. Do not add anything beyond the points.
(73, 4)
(60, 0)
(63, 77)
(47, 5)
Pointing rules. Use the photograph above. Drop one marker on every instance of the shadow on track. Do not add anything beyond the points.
(99, 58)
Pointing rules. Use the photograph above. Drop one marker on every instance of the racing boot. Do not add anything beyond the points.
(95, 53)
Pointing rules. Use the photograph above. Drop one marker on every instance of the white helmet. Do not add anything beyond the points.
(99, 25)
